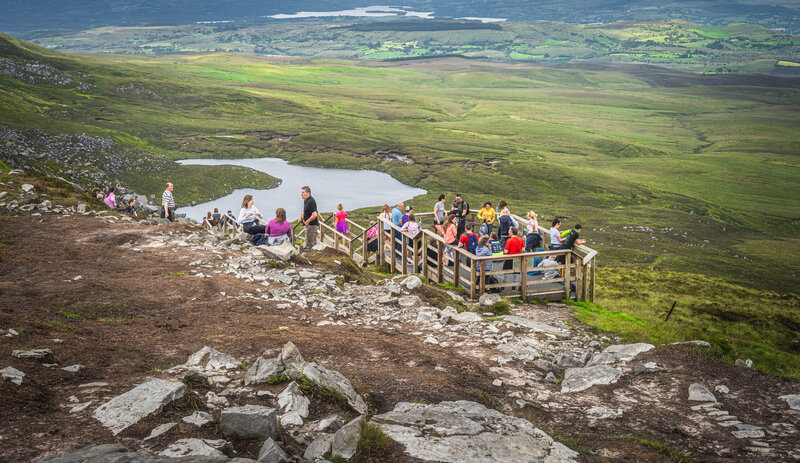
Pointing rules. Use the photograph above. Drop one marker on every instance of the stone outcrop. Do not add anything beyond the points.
(467, 432)
(249, 422)
(146, 399)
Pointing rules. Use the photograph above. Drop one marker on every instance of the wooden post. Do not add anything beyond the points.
(439, 255)
(404, 251)
(578, 276)
(364, 251)
(473, 279)
(523, 266)
(416, 253)
(567, 271)
(482, 276)
(594, 269)
(380, 258)
(425, 258)
(456, 269)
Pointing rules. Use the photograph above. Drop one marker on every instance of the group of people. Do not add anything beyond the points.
(279, 229)
(482, 238)
(109, 197)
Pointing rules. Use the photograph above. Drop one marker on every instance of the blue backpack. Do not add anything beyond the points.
(258, 239)
(472, 243)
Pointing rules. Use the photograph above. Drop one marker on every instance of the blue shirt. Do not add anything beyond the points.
(397, 217)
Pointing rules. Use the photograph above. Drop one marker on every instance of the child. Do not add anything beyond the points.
(487, 215)
(409, 211)
(341, 222)
(469, 240)
(495, 245)
(411, 226)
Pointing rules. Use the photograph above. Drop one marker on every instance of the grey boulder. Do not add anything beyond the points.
(411, 282)
(146, 399)
(699, 393)
(282, 252)
(262, 371)
(318, 447)
(271, 453)
(467, 432)
(580, 379)
(43, 355)
(628, 351)
(793, 400)
(291, 361)
(196, 447)
(336, 381)
(345, 441)
(249, 422)
(13, 375)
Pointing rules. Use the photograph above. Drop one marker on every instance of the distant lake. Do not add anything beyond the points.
(363, 12)
(353, 188)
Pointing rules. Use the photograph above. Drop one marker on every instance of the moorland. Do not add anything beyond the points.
(686, 183)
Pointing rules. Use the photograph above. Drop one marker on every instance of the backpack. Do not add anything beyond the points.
(571, 236)
(484, 230)
(258, 239)
(472, 242)
(497, 249)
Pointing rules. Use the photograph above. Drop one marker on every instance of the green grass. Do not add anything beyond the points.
(738, 322)
(373, 442)
(671, 452)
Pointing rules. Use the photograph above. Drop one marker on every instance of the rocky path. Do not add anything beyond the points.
(93, 306)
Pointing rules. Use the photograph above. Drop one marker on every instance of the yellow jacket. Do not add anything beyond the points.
(487, 215)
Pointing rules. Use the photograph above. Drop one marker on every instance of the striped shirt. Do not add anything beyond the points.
(167, 199)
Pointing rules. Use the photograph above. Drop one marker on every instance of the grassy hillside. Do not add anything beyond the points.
(667, 171)
(672, 43)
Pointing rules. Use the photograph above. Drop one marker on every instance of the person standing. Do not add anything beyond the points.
(438, 215)
(397, 220)
(461, 214)
(309, 217)
(168, 204)
(341, 222)
(487, 216)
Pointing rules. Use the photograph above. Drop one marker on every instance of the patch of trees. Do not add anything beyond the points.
(424, 26)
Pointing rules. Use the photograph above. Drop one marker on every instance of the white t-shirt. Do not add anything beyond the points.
(243, 213)
(554, 235)
(438, 209)
(533, 226)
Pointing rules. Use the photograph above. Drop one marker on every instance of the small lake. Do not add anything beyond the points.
(375, 11)
(353, 188)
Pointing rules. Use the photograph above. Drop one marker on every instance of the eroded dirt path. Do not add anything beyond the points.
(124, 300)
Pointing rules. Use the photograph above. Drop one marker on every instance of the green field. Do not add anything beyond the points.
(673, 43)
(667, 171)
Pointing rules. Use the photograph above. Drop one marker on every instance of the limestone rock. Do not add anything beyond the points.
(146, 399)
(579, 379)
(411, 282)
(489, 299)
(208, 359)
(345, 441)
(521, 350)
(282, 252)
(198, 419)
(73, 368)
(467, 432)
(160, 430)
(793, 400)
(409, 301)
(628, 351)
(599, 412)
(13, 375)
(26, 187)
(293, 404)
(213, 401)
(468, 317)
(533, 325)
(271, 453)
(42, 355)
(602, 358)
(336, 381)
(694, 343)
(318, 447)
(81, 208)
(699, 393)
(291, 361)
(193, 447)
(262, 371)
(249, 422)
(330, 424)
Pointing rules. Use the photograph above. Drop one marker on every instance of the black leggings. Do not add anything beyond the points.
(252, 228)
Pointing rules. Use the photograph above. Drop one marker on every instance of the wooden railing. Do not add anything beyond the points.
(428, 254)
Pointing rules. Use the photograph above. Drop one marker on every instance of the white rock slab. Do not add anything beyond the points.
(533, 325)
(628, 351)
(699, 393)
(148, 398)
(580, 379)
(193, 447)
(160, 430)
(13, 375)
(198, 419)
(467, 432)
(209, 359)
(793, 400)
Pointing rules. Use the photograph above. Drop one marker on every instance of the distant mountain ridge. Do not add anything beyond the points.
(24, 18)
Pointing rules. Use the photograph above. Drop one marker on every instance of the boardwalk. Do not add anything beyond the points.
(427, 255)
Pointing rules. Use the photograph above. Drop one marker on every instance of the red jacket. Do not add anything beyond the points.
(514, 245)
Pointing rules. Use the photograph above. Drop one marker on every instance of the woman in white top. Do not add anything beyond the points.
(555, 235)
(534, 239)
(249, 215)
(386, 215)
(438, 215)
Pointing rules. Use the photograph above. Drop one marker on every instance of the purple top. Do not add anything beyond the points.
(277, 229)
(111, 200)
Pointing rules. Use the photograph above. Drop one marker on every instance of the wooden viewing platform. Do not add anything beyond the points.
(428, 255)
